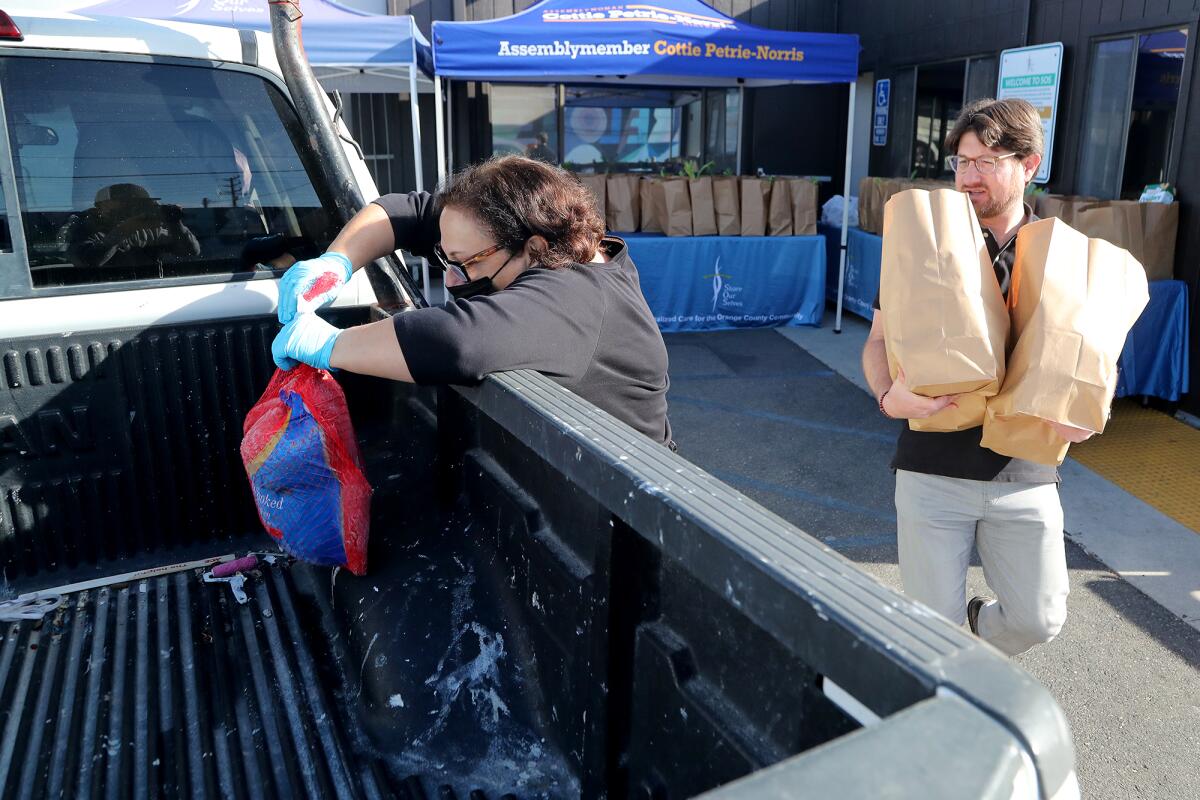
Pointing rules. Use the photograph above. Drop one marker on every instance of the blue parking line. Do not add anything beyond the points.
(784, 418)
(742, 481)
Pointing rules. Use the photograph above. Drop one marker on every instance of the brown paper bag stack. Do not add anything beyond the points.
(804, 207)
(727, 206)
(673, 205)
(779, 210)
(623, 202)
(650, 213)
(755, 192)
(945, 322)
(1073, 301)
(704, 215)
(868, 213)
(596, 184)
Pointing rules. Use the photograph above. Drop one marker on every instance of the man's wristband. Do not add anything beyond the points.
(883, 410)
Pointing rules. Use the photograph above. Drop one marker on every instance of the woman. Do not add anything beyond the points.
(536, 285)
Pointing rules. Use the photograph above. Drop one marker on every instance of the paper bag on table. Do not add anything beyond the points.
(727, 206)
(596, 184)
(704, 215)
(779, 210)
(755, 194)
(650, 214)
(1073, 301)
(623, 203)
(674, 206)
(1146, 230)
(945, 322)
(804, 206)
(869, 210)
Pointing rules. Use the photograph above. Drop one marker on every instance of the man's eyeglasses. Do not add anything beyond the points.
(459, 268)
(985, 164)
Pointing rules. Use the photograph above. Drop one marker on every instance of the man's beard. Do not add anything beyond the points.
(995, 206)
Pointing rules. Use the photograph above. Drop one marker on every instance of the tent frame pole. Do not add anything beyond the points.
(837, 324)
(741, 120)
(449, 127)
(440, 128)
(414, 105)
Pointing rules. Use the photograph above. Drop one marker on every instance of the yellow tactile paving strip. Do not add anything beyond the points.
(1150, 455)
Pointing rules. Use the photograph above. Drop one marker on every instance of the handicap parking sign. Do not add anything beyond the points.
(883, 97)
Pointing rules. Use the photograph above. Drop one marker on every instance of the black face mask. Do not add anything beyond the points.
(479, 286)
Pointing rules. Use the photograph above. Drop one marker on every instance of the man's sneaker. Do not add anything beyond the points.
(973, 608)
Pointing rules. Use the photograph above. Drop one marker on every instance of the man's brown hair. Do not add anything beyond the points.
(1010, 124)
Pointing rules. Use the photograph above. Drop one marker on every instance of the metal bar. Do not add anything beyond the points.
(439, 124)
(414, 107)
(449, 126)
(837, 324)
(741, 117)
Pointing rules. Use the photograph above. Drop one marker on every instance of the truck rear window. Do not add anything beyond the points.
(135, 171)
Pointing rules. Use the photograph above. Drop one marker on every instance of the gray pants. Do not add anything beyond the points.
(1018, 528)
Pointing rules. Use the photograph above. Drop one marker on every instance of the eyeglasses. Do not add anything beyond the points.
(459, 268)
(986, 165)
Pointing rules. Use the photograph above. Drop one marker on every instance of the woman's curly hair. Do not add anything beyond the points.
(516, 198)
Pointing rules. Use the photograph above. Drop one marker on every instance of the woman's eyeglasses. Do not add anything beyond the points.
(459, 268)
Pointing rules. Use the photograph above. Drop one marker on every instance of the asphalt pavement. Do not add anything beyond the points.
(788, 430)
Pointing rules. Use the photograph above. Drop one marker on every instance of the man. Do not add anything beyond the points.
(950, 492)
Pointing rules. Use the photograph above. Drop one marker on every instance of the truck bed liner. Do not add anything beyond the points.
(230, 697)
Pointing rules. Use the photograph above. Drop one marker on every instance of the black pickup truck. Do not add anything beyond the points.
(555, 606)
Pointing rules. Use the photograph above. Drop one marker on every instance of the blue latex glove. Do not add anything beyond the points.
(312, 284)
(307, 338)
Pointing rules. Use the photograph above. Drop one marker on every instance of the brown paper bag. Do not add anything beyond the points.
(650, 213)
(868, 213)
(727, 206)
(1160, 225)
(779, 210)
(623, 202)
(945, 322)
(1146, 230)
(1073, 301)
(674, 206)
(1061, 206)
(596, 184)
(804, 207)
(755, 192)
(704, 215)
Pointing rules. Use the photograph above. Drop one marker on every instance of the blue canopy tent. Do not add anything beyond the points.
(677, 43)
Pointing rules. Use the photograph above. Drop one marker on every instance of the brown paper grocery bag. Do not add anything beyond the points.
(779, 209)
(945, 322)
(704, 215)
(623, 202)
(596, 184)
(675, 205)
(1160, 225)
(804, 207)
(1147, 230)
(650, 211)
(1073, 301)
(1061, 206)
(755, 192)
(727, 206)
(869, 211)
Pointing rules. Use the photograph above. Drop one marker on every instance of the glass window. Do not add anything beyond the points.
(620, 128)
(1104, 123)
(524, 121)
(131, 171)
(939, 99)
(1152, 113)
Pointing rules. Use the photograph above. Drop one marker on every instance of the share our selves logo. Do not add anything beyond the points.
(725, 294)
(637, 13)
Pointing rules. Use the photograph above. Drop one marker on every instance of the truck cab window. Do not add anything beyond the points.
(134, 171)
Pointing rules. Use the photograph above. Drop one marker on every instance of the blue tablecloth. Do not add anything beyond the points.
(864, 252)
(1155, 359)
(722, 282)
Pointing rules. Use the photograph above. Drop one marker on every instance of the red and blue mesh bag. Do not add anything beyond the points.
(302, 460)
